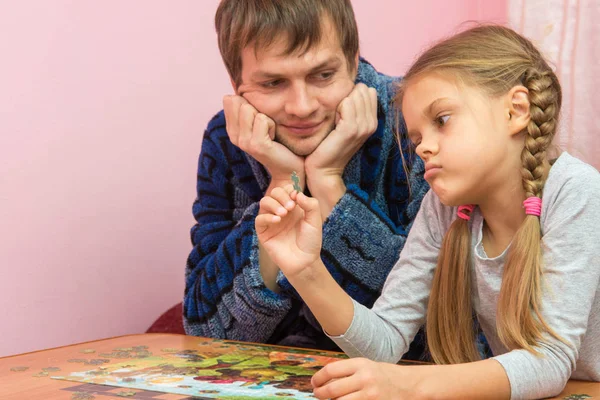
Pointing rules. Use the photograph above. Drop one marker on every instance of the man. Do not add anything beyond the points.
(305, 104)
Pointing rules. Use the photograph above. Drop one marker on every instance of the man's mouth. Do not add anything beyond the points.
(304, 128)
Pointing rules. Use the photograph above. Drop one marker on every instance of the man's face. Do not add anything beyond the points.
(299, 92)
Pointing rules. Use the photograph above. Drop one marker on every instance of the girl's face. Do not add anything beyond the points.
(463, 136)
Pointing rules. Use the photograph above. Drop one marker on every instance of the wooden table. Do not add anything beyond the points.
(35, 383)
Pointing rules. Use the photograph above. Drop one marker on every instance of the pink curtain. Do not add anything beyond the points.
(568, 32)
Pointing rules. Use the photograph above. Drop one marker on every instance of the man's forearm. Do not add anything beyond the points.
(328, 189)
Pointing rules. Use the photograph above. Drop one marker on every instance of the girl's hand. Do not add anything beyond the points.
(363, 379)
(289, 228)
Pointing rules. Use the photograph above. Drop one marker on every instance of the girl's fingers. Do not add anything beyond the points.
(336, 370)
(283, 197)
(338, 388)
(289, 189)
(310, 205)
(270, 205)
(352, 396)
(263, 221)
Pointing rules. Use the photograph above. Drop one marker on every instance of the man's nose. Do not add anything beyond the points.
(301, 102)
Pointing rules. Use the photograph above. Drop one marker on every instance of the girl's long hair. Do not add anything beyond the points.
(493, 59)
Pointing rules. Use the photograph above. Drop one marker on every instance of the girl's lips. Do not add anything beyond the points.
(432, 172)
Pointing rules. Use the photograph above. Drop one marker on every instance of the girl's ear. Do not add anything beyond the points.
(517, 111)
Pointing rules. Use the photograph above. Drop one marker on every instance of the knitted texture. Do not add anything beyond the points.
(225, 296)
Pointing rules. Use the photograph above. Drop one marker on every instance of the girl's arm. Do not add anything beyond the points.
(329, 303)
(289, 228)
(385, 332)
(364, 379)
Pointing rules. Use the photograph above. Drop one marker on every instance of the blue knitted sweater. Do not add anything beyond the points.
(225, 296)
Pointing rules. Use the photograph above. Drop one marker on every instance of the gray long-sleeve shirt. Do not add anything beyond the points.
(570, 222)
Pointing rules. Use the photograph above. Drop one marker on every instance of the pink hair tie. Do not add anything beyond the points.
(533, 206)
(462, 209)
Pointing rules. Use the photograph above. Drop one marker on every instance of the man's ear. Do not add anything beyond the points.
(233, 85)
(517, 111)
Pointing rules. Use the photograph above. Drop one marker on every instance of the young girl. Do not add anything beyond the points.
(505, 232)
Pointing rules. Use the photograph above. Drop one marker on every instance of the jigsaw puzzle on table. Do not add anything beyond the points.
(215, 370)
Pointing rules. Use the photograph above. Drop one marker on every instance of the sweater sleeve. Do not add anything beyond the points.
(571, 280)
(385, 332)
(361, 244)
(225, 296)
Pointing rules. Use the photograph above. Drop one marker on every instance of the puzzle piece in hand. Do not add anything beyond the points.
(296, 181)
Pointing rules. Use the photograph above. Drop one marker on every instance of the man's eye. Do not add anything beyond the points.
(272, 84)
(324, 75)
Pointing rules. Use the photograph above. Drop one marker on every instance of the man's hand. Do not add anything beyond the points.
(254, 133)
(356, 121)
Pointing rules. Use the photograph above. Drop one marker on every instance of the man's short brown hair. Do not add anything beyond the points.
(240, 23)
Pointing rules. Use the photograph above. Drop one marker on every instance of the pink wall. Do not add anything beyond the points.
(407, 27)
(102, 110)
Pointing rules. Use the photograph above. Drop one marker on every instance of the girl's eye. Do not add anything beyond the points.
(442, 120)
